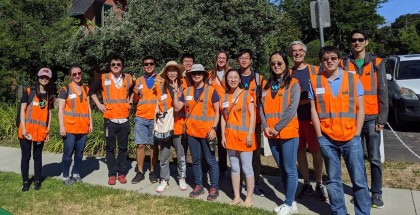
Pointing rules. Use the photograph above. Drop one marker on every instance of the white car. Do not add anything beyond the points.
(403, 75)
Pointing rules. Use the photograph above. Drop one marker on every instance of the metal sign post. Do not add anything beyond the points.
(320, 17)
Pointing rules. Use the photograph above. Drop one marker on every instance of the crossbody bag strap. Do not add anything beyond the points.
(198, 100)
(233, 105)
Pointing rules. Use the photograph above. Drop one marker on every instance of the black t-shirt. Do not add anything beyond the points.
(25, 98)
(303, 111)
(246, 80)
(197, 93)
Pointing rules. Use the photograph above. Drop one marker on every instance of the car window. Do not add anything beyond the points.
(409, 70)
(390, 66)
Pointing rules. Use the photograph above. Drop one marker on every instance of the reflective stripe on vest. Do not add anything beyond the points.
(349, 114)
(32, 121)
(243, 127)
(373, 89)
(283, 108)
(73, 107)
(127, 79)
(165, 106)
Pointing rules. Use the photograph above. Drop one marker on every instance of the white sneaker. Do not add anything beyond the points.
(163, 185)
(286, 210)
(182, 184)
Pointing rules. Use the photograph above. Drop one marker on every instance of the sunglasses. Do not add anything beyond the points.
(148, 64)
(354, 40)
(197, 73)
(116, 64)
(76, 74)
(44, 77)
(276, 63)
(332, 58)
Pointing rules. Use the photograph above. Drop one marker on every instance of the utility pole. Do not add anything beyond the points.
(320, 25)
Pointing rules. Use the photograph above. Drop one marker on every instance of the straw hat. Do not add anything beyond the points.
(171, 64)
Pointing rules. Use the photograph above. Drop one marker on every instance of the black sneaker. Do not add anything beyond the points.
(153, 178)
(139, 177)
(319, 192)
(198, 190)
(306, 191)
(377, 201)
(25, 186)
(258, 191)
(37, 185)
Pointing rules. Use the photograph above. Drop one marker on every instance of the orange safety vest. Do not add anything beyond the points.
(219, 85)
(253, 91)
(36, 120)
(76, 112)
(313, 70)
(369, 81)
(116, 100)
(337, 115)
(147, 104)
(237, 119)
(201, 113)
(274, 108)
(165, 102)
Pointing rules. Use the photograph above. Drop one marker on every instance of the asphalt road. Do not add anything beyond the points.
(395, 150)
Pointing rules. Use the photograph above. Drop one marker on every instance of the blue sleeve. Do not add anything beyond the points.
(359, 89)
(181, 98)
(215, 97)
(310, 92)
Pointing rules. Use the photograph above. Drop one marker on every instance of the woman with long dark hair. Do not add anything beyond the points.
(281, 95)
(35, 120)
(238, 127)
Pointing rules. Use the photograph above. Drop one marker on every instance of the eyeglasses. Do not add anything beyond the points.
(76, 74)
(329, 58)
(354, 40)
(148, 64)
(244, 58)
(116, 64)
(221, 58)
(276, 63)
(298, 51)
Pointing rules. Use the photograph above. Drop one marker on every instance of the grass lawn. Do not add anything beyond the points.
(54, 198)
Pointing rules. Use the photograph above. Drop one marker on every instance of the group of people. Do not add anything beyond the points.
(327, 110)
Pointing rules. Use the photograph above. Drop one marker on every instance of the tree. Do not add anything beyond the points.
(33, 34)
(167, 28)
(346, 15)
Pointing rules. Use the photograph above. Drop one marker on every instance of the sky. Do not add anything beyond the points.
(395, 8)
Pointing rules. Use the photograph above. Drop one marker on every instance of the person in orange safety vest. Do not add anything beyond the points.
(34, 126)
(238, 126)
(75, 120)
(337, 114)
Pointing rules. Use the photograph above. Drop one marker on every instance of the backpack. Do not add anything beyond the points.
(31, 96)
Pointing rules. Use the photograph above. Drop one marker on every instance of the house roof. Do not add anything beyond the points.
(79, 7)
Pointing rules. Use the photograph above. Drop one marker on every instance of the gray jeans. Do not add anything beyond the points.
(165, 149)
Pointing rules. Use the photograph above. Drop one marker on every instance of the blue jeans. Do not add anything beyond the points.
(372, 141)
(199, 147)
(352, 152)
(73, 143)
(285, 153)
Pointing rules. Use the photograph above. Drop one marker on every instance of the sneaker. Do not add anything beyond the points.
(25, 186)
(67, 181)
(306, 191)
(258, 191)
(294, 208)
(37, 185)
(77, 178)
(153, 178)
(377, 201)
(319, 192)
(163, 185)
(112, 180)
(198, 190)
(122, 179)
(182, 184)
(213, 194)
(139, 177)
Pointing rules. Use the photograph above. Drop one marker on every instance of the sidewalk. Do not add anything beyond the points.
(94, 171)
